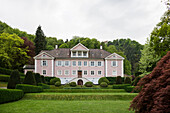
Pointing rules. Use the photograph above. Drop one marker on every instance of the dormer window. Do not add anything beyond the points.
(79, 53)
(84, 53)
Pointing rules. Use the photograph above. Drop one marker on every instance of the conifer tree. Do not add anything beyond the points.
(40, 40)
(14, 79)
(29, 78)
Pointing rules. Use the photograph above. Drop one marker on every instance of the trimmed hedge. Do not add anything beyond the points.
(131, 89)
(81, 88)
(37, 77)
(57, 84)
(8, 71)
(5, 78)
(103, 84)
(127, 80)
(85, 90)
(73, 84)
(8, 95)
(112, 80)
(29, 88)
(118, 80)
(120, 86)
(88, 84)
(43, 79)
(29, 78)
(54, 80)
(47, 79)
(44, 86)
(103, 79)
(14, 79)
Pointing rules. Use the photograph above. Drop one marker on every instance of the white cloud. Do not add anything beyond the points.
(101, 19)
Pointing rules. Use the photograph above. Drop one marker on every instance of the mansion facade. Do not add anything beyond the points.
(78, 64)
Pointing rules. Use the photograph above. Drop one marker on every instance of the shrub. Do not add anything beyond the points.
(14, 79)
(127, 80)
(47, 79)
(54, 80)
(118, 80)
(73, 84)
(89, 84)
(103, 79)
(44, 86)
(4, 78)
(58, 83)
(103, 84)
(43, 79)
(29, 78)
(120, 86)
(29, 88)
(37, 78)
(131, 89)
(8, 71)
(136, 81)
(8, 95)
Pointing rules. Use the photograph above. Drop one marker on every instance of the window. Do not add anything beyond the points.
(44, 63)
(114, 56)
(44, 72)
(74, 63)
(114, 63)
(59, 63)
(99, 63)
(99, 72)
(66, 72)
(79, 53)
(92, 72)
(84, 53)
(74, 72)
(85, 63)
(74, 53)
(92, 63)
(79, 63)
(43, 55)
(59, 72)
(114, 72)
(85, 72)
(67, 63)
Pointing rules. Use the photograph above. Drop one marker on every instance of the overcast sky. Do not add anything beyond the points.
(101, 19)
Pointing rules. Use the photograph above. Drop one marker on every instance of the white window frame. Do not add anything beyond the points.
(59, 72)
(45, 72)
(98, 72)
(91, 73)
(114, 72)
(73, 72)
(80, 53)
(80, 63)
(44, 63)
(86, 63)
(75, 53)
(73, 63)
(57, 62)
(85, 74)
(84, 52)
(65, 72)
(68, 63)
(91, 63)
(112, 63)
(98, 63)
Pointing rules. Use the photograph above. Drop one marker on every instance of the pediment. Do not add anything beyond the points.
(114, 56)
(43, 55)
(80, 47)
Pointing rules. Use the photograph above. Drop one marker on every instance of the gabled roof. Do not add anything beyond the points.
(81, 45)
(117, 56)
(29, 67)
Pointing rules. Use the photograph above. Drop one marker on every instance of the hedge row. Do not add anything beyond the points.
(5, 78)
(120, 86)
(44, 86)
(46, 96)
(8, 95)
(112, 80)
(85, 90)
(81, 88)
(47, 79)
(130, 89)
(29, 88)
(8, 71)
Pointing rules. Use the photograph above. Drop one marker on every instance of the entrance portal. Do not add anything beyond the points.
(80, 82)
(80, 74)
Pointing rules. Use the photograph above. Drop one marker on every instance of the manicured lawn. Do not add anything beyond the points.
(53, 106)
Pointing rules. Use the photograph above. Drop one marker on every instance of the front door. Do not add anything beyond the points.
(79, 74)
(80, 82)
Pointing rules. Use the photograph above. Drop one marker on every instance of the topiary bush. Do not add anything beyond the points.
(89, 84)
(29, 78)
(29, 88)
(8, 71)
(37, 78)
(127, 80)
(47, 79)
(155, 92)
(44, 86)
(4, 78)
(136, 81)
(57, 84)
(54, 80)
(14, 79)
(73, 84)
(103, 79)
(118, 80)
(103, 84)
(43, 79)
(8, 95)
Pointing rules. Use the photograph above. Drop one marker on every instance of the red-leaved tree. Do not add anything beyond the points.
(155, 94)
(31, 49)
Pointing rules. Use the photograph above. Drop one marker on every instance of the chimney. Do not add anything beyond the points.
(101, 47)
(56, 46)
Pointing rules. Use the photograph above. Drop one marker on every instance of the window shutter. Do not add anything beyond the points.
(41, 62)
(89, 63)
(62, 63)
(56, 63)
(68, 63)
(111, 63)
(95, 63)
(101, 63)
(47, 62)
(116, 63)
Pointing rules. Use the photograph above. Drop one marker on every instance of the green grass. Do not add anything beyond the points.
(80, 96)
(53, 106)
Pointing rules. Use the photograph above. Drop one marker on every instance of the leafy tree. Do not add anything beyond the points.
(64, 46)
(112, 49)
(31, 49)
(29, 78)
(60, 42)
(14, 79)
(51, 42)
(11, 55)
(40, 40)
(153, 97)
